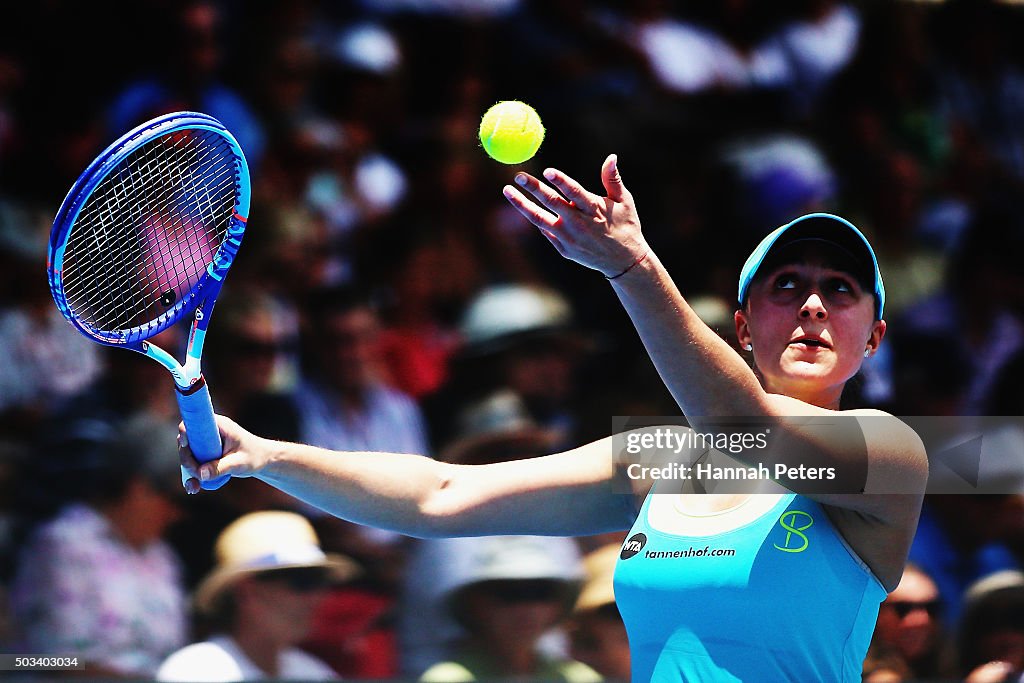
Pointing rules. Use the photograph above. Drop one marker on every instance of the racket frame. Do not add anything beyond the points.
(201, 298)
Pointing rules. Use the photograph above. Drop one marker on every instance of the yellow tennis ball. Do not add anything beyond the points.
(511, 132)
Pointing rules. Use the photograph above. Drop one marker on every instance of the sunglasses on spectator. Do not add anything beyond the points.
(298, 580)
(523, 590)
(255, 347)
(905, 607)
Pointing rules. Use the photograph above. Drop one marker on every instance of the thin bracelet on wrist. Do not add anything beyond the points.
(631, 266)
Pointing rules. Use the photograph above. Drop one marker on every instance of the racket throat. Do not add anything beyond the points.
(184, 377)
(195, 386)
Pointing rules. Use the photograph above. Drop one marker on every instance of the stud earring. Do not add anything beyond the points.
(867, 353)
(748, 347)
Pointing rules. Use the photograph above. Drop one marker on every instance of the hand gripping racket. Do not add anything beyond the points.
(144, 238)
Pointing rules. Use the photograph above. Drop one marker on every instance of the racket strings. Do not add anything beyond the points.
(149, 229)
(160, 273)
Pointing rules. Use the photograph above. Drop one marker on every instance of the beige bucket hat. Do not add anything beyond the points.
(262, 542)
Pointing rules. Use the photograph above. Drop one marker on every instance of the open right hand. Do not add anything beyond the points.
(244, 454)
(599, 232)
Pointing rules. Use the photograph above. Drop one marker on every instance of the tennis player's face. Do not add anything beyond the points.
(809, 323)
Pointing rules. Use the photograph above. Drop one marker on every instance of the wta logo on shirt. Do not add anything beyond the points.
(795, 523)
(633, 546)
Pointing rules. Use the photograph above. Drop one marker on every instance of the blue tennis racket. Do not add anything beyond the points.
(145, 238)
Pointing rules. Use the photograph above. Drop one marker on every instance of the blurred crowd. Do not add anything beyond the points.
(388, 299)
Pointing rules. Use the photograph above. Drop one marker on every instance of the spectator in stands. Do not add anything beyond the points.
(520, 338)
(980, 77)
(46, 360)
(189, 78)
(270, 574)
(98, 580)
(960, 539)
(417, 341)
(343, 399)
(910, 625)
(495, 429)
(991, 638)
(255, 350)
(509, 592)
(981, 308)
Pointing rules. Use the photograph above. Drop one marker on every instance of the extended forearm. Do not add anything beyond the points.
(386, 490)
(705, 376)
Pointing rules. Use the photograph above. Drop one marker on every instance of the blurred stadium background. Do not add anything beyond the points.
(449, 327)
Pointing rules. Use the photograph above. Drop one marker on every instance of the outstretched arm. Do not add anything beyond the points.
(558, 495)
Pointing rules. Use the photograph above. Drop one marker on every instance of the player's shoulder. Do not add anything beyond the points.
(895, 451)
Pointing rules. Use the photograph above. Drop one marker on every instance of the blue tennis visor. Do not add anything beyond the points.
(858, 255)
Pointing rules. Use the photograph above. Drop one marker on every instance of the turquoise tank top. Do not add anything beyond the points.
(779, 598)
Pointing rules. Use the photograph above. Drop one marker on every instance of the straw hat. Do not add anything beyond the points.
(266, 541)
(599, 568)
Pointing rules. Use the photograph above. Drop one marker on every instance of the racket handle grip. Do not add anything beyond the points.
(203, 435)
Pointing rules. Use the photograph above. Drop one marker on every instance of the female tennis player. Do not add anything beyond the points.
(764, 587)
